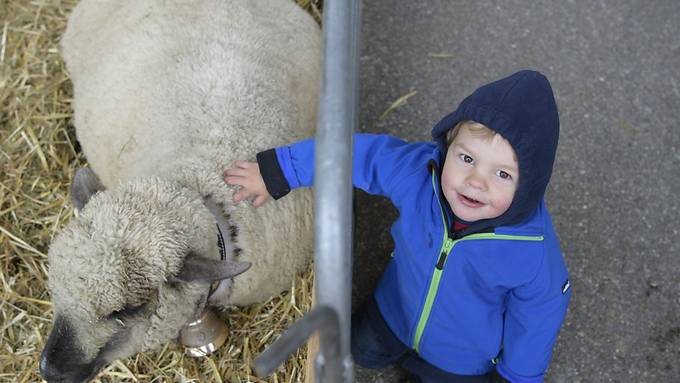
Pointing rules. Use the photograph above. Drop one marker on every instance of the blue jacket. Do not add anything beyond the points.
(495, 293)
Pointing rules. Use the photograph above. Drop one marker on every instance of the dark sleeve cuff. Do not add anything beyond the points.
(273, 177)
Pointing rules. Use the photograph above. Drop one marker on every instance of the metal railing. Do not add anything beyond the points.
(338, 119)
(321, 318)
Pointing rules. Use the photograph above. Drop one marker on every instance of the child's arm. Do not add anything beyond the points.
(380, 162)
(533, 317)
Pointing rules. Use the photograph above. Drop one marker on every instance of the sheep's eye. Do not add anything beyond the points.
(127, 311)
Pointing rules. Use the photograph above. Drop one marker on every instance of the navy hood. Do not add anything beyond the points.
(522, 109)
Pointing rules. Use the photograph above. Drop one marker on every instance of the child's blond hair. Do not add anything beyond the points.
(475, 127)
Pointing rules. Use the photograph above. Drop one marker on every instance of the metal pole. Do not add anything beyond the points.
(321, 318)
(338, 119)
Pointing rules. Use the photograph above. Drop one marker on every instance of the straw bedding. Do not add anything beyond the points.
(38, 158)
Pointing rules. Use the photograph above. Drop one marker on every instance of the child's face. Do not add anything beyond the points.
(480, 175)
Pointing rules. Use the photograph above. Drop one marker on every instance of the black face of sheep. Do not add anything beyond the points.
(127, 274)
(60, 360)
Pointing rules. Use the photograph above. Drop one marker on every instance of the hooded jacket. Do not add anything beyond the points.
(493, 295)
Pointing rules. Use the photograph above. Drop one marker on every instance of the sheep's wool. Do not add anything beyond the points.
(167, 96)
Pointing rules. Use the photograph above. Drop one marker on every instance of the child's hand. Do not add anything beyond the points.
(247, 176)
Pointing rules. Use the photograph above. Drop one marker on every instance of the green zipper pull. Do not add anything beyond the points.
(446, 249)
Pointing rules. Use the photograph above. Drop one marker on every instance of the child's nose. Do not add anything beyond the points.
(476, 181)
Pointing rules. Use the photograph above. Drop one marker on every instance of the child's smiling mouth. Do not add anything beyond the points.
(470, 202)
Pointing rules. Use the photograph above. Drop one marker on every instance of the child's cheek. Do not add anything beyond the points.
(506, 198)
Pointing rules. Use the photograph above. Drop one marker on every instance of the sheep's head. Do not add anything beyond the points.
(127, 274)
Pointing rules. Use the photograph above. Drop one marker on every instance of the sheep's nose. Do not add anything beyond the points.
(60, 359)
(55, 370)
(50, 371)
(50, 368)
(55, 366)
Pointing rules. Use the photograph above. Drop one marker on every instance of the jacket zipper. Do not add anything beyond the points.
(445, 251)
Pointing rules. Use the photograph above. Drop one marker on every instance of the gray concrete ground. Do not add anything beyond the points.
(614, 68)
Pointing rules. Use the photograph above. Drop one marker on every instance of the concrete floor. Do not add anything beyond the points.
(614, 69)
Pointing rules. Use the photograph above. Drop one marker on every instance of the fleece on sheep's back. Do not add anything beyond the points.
(167, 95)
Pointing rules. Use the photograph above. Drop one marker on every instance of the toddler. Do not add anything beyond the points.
(477, 288)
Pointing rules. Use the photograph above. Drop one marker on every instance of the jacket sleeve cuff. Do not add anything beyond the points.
(271, 172)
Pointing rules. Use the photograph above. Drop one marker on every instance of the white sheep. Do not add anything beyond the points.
(167, 94)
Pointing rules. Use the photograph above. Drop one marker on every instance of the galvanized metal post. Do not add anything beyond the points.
(321, 318)
(338, 119)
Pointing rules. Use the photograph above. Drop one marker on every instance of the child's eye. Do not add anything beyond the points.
(467, 159)
(503, 175)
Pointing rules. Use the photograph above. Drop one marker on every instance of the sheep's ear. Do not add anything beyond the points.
(85, 184)
(197, 268)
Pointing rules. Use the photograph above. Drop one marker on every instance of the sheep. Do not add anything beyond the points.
(168, 94)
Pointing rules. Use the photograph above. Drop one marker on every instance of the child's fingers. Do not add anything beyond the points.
(235, 180)
(241, 172)
(241, 195)
(257, 201)
(260, 200)
(241, 181)
(243, 164)
(246, 175)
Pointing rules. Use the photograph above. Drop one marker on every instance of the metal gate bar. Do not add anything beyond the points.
(338, 119)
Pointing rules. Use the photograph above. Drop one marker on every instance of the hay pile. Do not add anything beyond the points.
(38, 158)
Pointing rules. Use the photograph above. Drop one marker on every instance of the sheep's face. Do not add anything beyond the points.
(111, 276)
